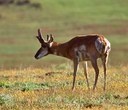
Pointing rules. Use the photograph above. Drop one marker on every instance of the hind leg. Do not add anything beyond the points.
(104, 61)
(95, 66)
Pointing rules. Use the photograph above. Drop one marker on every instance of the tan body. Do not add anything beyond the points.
(84, 45)
(80, 48)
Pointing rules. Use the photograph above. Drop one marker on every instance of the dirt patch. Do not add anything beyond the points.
(120, 29)
(52, 73)
(7, 41)
(17, 55)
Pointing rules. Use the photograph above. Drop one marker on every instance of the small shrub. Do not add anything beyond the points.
(6, 99)
(21, 3)
(6, 2)
(4, 85)
(26, 86)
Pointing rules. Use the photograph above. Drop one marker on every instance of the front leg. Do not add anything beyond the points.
(75, 61)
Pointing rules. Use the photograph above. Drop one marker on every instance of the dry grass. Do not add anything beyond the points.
(50, 88)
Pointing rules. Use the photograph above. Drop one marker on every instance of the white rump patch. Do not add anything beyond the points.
(108, 46)
(101, 47)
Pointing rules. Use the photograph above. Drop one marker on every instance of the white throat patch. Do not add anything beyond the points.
(50, 45)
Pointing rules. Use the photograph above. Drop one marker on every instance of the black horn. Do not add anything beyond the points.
(40, 37)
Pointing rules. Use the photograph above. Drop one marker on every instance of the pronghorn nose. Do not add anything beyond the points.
(36, 57)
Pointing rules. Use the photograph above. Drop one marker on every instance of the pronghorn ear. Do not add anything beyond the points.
(49, 38)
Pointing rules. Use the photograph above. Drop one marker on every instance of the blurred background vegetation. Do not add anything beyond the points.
(20, 19)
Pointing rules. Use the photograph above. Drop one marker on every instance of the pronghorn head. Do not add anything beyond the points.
(45, 45)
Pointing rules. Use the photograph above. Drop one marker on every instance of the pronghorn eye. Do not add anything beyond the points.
(43, 46)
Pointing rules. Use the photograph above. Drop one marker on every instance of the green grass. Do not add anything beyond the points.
(27, 87)
(64, 19)
(50, 88)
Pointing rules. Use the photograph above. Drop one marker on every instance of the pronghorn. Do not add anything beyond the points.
(79, 49)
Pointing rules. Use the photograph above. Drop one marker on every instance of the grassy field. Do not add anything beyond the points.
(50, 89)
(65, 20)
(28, 84)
